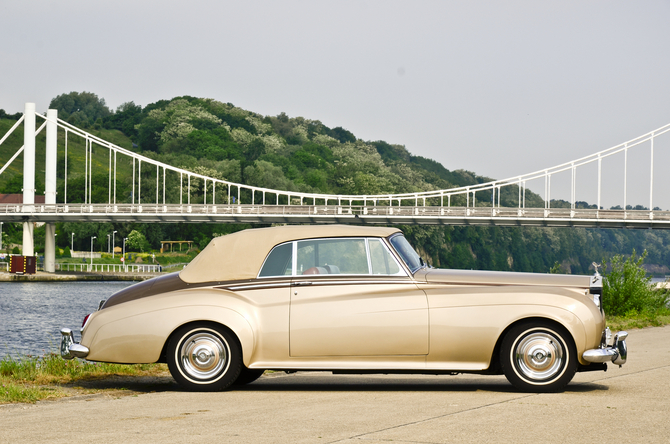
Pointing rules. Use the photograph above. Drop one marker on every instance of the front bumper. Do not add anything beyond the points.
(617, 353)
(70, 349)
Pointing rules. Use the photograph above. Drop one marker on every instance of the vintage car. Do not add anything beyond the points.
(348, 299)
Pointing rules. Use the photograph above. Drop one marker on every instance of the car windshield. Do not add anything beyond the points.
(407, 253)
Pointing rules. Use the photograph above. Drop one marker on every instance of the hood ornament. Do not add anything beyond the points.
(595, 267)
(597, 279)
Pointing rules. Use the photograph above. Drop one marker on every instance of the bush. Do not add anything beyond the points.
(16, 250)
(627, 291)
(67, 252)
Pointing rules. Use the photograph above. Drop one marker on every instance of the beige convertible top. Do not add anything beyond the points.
(240, 255)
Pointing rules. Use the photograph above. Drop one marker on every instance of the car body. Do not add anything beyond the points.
(348, 299)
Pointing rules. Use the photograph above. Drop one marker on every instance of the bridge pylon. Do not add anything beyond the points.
(50, 189)
(28, 176)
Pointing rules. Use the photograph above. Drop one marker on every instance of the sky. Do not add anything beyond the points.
(497, 88)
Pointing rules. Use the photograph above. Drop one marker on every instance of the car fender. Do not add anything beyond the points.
(136, 332)
(466, 324)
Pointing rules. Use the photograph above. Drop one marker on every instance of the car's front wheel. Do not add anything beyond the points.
(204, 357)
(538, 357)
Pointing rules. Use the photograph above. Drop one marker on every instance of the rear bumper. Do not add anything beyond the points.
(70, 349)
(617, 353)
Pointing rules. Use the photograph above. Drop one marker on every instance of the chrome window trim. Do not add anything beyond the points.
(402, 267)
(258, 275)
(402, 270)
(294, 258)
(399, 257)
(367, 252)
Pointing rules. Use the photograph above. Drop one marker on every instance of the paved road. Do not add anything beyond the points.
(627, 405)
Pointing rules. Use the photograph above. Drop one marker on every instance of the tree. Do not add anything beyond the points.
(125, 118)
(80, 109)
(137, 242)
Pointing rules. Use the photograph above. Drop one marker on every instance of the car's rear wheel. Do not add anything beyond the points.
(538, 357)
(248, 375)
(204, 357)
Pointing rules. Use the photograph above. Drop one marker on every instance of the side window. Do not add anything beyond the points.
(279, 262)
(381, 260)
(332, 256)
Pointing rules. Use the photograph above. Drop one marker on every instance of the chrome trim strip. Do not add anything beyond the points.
(353, 282)
(255, 286)
(312, 281)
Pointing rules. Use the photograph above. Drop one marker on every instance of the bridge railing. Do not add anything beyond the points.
(99, 268)
(109, 268)
(216, 211)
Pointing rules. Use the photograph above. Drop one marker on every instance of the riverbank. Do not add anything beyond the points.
(69, 276)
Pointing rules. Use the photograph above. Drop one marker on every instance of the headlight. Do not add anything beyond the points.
(596, 300)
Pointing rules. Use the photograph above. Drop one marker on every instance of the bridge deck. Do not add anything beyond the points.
(354, 214)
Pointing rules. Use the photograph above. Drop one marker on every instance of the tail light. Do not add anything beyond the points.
(83, 323)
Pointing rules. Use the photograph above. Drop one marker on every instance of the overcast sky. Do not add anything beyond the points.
(501, 88)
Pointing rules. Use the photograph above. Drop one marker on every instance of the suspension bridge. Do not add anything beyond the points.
(162, 193)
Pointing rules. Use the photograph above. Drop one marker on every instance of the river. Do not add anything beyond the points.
(32, 313)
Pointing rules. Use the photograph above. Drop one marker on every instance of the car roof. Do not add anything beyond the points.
(240, 255)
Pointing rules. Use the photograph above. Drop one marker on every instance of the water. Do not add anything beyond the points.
(32, 313)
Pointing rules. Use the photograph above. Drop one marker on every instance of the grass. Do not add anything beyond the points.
(637, 320)
(30, 378)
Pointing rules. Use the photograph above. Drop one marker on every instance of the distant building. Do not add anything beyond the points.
(18, 199)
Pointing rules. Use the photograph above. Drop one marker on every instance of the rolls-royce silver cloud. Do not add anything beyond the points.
(348, 299)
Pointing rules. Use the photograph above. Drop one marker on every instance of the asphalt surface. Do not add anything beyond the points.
(624, 405)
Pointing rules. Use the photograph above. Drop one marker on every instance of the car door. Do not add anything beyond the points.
(350, 297)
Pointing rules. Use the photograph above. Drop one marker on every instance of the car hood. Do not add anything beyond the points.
(473, 277)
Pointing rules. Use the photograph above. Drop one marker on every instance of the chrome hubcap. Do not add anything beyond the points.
(539, 356)
(203, 356)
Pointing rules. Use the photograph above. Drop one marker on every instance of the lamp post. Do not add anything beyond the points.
(92, 237)
(125, 268)
(72, 242)
(108, 238)
(113, 233)
(1, 235)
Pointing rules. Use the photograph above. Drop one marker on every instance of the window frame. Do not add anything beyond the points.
(402, 269)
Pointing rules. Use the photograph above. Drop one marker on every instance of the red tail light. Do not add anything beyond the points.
(85, 319)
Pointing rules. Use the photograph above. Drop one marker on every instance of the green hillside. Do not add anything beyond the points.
(298, 154)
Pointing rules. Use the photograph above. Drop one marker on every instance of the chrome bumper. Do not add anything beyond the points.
(617, 353)
(70, 349)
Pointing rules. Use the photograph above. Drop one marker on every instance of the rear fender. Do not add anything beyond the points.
(140, 338)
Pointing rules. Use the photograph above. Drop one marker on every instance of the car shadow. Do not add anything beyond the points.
(335, 383)
(325, 383)
(132, 384)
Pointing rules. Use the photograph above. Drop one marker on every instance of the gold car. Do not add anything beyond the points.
(348, 299)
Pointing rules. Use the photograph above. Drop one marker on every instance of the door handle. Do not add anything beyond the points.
(300, 283)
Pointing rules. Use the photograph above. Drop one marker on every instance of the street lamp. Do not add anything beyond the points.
(1, 235)
(113, 233)
(124, 253)
(108, 238)
(92, 237)
(72, 243)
